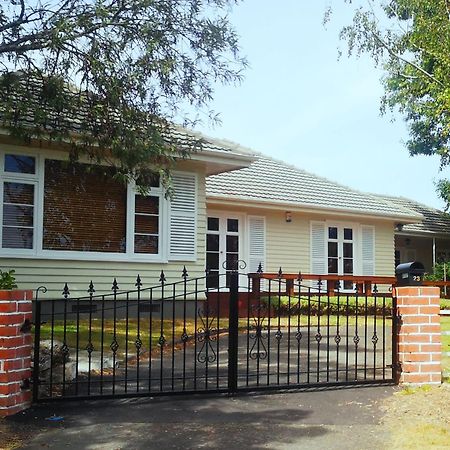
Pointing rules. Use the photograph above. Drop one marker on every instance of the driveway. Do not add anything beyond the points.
(324, 419)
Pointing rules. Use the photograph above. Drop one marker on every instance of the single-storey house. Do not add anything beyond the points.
(61, 223)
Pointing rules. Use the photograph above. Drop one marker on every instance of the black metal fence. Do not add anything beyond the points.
(185, 337)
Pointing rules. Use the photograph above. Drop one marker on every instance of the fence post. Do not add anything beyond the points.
(418, 335)
(233, 335)
(15, 351)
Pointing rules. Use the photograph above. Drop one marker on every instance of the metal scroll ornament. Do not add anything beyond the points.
(206, 334)
(258, 349)
(234, 266)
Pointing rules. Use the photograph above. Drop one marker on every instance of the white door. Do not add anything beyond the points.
(223, 247)
(341, 251)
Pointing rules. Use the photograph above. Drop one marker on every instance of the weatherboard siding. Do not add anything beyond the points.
(53, 273)
(288, 243)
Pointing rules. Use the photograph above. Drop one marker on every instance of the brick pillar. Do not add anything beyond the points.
(15, 351)
(419, 335)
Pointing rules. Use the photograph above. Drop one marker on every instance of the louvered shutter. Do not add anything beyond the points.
(318, 249)
(257, 243)
(368, 250)
(183, 217)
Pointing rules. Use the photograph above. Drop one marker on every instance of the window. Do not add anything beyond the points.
(51, 208)
(146, 224)
(18, 195)
(84, 208)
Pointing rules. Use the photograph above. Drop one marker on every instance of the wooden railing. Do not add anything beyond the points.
(364, 284)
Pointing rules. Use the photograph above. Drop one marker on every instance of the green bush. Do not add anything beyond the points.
(7, 279)
(333, 305)
(438, 272)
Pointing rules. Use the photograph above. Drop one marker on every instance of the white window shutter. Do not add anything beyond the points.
(257, 243)
(368, 250)
(318, 249)
(183, 217)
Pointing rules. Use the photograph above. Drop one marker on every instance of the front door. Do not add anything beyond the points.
(341, 252)
(222, 247)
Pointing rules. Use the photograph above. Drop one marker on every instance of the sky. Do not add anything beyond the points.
(300, 104)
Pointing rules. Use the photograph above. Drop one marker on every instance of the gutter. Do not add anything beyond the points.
(299, 207)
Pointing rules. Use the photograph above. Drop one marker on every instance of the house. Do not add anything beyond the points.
(65, 224)
(427, 241)
(61, 223)
(298, 221)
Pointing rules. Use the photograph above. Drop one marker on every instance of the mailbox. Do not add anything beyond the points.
(410, 274)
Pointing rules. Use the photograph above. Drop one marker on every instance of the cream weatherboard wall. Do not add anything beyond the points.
(78, 271)
(288, 244)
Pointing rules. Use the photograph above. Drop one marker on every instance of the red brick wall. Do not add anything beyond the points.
(419, 335)
(15, 351)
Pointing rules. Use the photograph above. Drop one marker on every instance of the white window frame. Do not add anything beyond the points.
(38, 252)
(21, 178)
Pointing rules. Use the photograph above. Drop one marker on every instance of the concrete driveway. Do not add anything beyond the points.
(324, 419)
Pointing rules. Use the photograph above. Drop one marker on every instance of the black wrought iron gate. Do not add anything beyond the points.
(209, 335)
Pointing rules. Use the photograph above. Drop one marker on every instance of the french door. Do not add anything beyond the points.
(341, 251)
(223, 246)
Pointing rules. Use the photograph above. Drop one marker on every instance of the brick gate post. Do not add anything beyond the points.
(418, 335)
(15, 351)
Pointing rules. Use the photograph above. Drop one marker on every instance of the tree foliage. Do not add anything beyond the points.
(107, 77)
(410, 40)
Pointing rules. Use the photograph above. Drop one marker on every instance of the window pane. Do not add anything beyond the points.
(332, 233)
(348, 234)
(348, 266)
(348, 250)
(17, 237)
(332, 265)
(212, 242)
(146, 244)
(84, 208)
(233, 225)
(212, 261)
(18, 193)
(213, 224)
(18, 215)
(20, 164)
(212, 280)
(146, 224)
(232, 243)
(332, 249)
(147, 204)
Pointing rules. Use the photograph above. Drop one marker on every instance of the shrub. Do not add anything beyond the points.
(438, 272)
(7, 279)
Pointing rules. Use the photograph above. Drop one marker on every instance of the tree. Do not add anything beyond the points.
(410, 40)
(107, 77)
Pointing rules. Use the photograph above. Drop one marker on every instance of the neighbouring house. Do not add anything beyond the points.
(61, 223)
(427, 241)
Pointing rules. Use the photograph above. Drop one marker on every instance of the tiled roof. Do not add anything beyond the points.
(434, 220)
(73, 118)
(271, 181)
(187, 139)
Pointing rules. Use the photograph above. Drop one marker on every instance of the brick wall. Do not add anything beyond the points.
(419, 335)
(15, 351)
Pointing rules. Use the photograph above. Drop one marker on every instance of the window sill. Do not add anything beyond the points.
(83, 256)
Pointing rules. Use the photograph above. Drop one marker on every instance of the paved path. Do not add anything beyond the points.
(325, 419)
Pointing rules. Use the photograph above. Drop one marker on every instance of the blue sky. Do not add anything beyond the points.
(300, 104)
